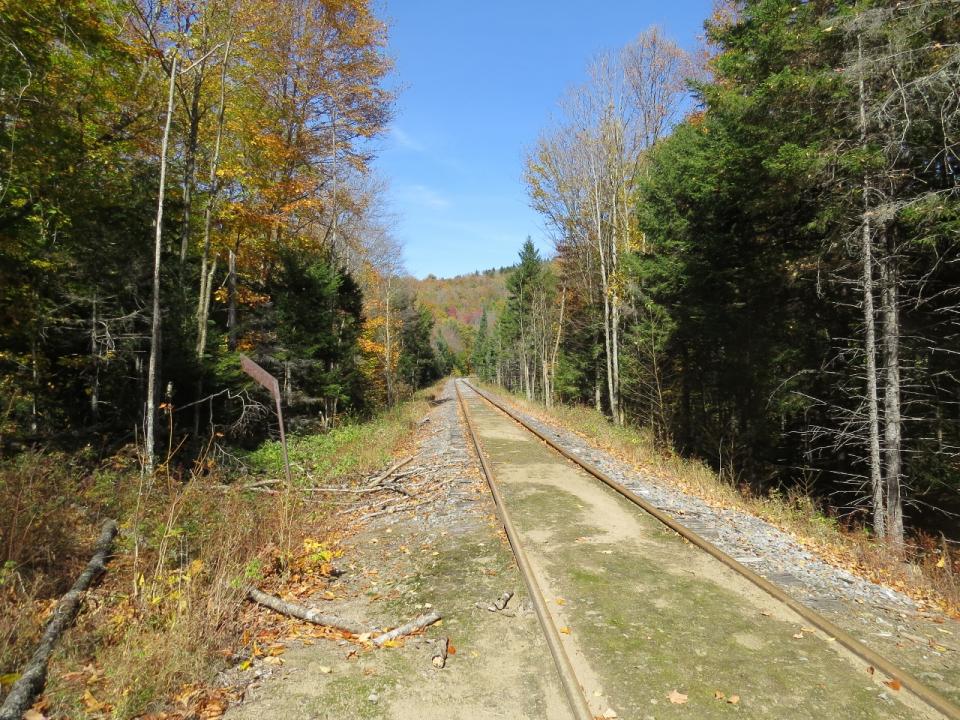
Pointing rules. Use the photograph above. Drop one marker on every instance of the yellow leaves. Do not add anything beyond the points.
(92, 704)
(732, 700)
(677, 698)
(565, 630)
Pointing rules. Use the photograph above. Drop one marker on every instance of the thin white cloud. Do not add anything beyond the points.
(405, 139)
(422, 195)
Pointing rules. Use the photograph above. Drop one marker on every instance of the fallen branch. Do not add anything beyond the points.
(440, 656)
(304, 613)
(34, 677)
(358, 491)
(411, 627)
(499, 606)
(261, 483)
(390, 471)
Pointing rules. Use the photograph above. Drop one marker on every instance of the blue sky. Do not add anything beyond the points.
(478, 81)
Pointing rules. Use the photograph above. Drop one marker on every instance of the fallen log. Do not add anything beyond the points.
(33, 678)
(440, 656)
(304, 613)
(411, 627)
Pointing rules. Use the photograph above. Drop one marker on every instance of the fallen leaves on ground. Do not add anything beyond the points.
(722, 696)
(893, 684)
(677, 698)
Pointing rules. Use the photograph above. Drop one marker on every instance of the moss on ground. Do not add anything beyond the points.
(650, 617)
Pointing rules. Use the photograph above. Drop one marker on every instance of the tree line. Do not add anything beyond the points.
(757, 252)
(181, 182)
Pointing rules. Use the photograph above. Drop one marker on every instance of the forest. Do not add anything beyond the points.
(756, 254)
(183, 184)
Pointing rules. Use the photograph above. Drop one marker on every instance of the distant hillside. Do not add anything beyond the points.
(457, 303)
(463, 297)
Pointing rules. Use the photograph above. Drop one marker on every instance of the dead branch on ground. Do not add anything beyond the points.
(34, 677)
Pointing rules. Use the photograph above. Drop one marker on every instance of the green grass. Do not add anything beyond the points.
(349, 451)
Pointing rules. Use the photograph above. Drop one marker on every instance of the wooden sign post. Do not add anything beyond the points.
(270, 383)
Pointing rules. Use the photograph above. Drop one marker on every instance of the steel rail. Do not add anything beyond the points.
(918, 689)
(568, 678)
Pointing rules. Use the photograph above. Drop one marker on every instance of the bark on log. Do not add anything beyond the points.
(304, 613)
(411, 627)
(440, 656)
(31, 682)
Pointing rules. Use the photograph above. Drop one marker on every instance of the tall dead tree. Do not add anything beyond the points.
(152, 379)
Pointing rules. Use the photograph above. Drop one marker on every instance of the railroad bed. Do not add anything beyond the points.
(642, 623)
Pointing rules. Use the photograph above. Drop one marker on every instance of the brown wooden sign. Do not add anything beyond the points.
(270, 383)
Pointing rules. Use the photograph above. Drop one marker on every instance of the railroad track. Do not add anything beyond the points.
(916, 696)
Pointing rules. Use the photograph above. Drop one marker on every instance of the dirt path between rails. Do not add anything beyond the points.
(649, 615)
(446, 555)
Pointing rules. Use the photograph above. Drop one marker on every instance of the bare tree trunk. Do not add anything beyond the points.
(95, 355)
(189, 168)
(556, 345)
(388, 349)
(206, 275)
(525, 378)
(616, 405)
(232, 299)
(597, 391)
(152, 379)
(190, 150)
(870, 343)
(891, 394)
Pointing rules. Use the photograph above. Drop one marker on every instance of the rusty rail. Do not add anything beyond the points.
(568, 679)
